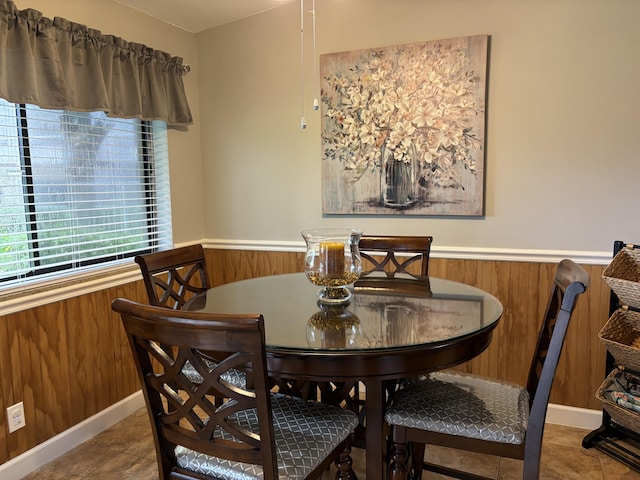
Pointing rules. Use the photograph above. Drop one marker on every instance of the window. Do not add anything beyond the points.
(78, 189)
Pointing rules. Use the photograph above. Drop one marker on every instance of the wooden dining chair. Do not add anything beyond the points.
(253, 433)
(390, 255)
(172, 277)
(395, 254)
(480, 414)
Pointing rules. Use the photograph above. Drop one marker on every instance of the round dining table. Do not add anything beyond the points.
(390, 329)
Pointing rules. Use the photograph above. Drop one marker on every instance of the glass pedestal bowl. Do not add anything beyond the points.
(332, 261)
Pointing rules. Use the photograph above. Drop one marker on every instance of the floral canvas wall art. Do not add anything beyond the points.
(403, 129)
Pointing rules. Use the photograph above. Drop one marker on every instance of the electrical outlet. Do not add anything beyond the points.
(15, 417)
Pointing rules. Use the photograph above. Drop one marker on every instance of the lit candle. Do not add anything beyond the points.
(332, 259)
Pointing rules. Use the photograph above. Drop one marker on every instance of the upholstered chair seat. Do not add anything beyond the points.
(305, 432)
(463, 404)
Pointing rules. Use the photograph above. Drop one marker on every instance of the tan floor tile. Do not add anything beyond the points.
(485, 465)
(565, 463)
(76, 464)
(562, 435)
(122, 466)
(614, 470)
(51, 474)
(143, 448)
(122, 435)
(569, 462)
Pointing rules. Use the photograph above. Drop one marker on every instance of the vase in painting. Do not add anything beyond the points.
(398, 184)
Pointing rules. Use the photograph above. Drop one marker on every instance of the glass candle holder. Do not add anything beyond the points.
(332, 261)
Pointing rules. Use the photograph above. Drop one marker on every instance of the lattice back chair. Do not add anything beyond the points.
(254, 432)
(172, 277)
(485, 415)
(398, 254)
(390, 255)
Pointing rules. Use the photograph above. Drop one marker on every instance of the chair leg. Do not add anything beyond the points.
(417, 460)
(532, 452)
(530, 470)
(344, 464)
(398, 461)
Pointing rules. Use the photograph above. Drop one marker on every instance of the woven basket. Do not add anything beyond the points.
(622, 416)
(618, 335)
(623, 276)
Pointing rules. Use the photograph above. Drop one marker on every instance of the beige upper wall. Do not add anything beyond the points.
(562, 168)
(184, 146)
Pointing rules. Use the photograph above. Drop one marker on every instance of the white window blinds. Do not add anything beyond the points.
(78, 189)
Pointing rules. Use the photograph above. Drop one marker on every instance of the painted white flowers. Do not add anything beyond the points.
(420, 97)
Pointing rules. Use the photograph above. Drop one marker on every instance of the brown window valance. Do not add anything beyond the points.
(63, 65)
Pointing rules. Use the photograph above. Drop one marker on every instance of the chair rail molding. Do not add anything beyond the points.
(38, 294)
(466, 253)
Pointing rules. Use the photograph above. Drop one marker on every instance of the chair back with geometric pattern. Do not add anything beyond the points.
(184, 413)
(172, 277)
(395, 254)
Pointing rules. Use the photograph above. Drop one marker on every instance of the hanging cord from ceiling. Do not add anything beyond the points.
(303, 122)
(316, 104)
(315, 67)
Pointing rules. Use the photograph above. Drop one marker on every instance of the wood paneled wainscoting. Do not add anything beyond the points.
(68, 360)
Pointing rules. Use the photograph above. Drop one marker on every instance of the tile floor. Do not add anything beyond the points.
(125, 452)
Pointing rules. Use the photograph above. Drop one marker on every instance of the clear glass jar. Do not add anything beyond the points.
(332, 261)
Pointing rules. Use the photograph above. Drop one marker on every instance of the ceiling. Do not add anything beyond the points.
(198, 15)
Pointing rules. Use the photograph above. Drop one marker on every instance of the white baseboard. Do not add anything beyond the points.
(51, 449)
(574, 417)
(44, 453)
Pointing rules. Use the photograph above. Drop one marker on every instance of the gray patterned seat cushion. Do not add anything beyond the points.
(232, 376)
(305, 433)
(465, 405)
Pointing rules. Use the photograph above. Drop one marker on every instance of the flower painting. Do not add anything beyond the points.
(403, 129)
